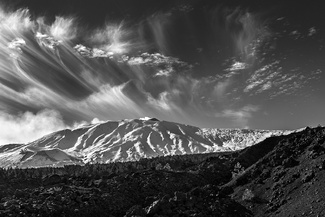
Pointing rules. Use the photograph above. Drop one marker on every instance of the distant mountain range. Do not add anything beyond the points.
(127, 140)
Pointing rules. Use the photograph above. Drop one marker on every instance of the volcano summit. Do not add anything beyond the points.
(127, 140)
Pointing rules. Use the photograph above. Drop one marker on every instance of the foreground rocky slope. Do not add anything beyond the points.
(127, 140)
(169, 186)
(288, 181)
(281, 176)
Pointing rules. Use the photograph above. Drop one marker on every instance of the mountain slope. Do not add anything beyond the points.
(286, 180)
(127, 140)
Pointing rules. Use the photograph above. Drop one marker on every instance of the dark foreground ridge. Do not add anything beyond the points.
(281, 176)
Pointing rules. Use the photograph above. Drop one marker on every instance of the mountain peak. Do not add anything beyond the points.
(149, 119)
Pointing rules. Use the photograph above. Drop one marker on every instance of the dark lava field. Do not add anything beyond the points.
(281, 176)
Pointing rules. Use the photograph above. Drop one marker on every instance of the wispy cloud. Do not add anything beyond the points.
(162, 103)
(272, 79)
(221, 88)
(92, 52)
(236, 66)
(111, 38)
(108, 103)
(164, 65)
(63, 28)
(240, 116)
(251, 35)
(312, 31)
(159, 24)
(13, 23)
(47, 41)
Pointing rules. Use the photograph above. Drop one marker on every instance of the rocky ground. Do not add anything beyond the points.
(288, 181)
(282, 176)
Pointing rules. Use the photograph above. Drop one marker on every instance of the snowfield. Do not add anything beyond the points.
(127, 140)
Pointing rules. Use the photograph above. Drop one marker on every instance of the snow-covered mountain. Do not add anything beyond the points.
(127, 140)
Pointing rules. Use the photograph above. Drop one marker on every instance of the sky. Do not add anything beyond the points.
(218, 64)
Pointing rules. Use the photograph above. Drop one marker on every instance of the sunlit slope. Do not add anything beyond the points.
(127, 140)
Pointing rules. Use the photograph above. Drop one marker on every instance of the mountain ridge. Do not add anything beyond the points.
(127, 140)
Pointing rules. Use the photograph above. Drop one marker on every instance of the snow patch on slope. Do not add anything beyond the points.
(127, 140)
